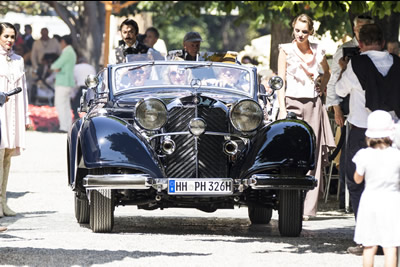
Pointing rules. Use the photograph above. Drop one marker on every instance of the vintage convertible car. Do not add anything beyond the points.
(186, 134)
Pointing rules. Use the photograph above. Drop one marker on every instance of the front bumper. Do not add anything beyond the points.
(144, 181)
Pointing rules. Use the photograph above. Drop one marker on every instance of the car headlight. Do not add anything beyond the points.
(246, 115)
(151, 114)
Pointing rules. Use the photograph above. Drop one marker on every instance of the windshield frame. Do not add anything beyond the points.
(251, 72)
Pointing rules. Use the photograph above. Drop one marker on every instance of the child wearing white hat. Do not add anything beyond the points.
(378, 214)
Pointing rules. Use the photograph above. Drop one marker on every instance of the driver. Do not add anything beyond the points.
(229, 78)
(135, 77)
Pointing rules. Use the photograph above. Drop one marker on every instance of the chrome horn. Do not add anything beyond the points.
(168, 146)
(230, 148)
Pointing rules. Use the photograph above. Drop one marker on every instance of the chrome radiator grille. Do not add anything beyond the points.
(211, 160)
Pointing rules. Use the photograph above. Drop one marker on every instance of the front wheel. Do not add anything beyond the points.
(101, 210)
(259, 215)
(81, 209)
(291, 204)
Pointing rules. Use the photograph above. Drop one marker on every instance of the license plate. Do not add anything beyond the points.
(221, 186)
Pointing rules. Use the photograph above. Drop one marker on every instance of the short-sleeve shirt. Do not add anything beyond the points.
(300, 75)
(381, 168)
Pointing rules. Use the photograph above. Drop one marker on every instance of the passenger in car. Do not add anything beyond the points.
(191, 46)
(177, 76)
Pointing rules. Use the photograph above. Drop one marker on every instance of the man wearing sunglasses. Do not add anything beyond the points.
(134, 78)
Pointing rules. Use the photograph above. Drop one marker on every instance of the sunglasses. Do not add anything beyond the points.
(139, 72)
(227, 74)
(174, 73)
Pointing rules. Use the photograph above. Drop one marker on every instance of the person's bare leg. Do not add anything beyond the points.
(369, 255)
(390, 256)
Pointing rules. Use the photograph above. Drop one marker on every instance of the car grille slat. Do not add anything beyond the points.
(212, 161)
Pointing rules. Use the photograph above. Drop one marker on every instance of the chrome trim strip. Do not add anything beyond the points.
(117, 181)
(256, 182)
(189, 133)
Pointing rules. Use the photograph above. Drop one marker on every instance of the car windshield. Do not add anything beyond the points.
(172, 74)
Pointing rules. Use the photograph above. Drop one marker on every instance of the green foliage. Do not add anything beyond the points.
(28, 7)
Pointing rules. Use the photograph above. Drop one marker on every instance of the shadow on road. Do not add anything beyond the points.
(236, 230)
(82, 257)
(17, 194)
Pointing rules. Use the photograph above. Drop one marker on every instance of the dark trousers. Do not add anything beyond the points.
(342, 176)
(355, 142)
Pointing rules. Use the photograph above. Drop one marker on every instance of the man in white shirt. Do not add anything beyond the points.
(45, 45)
(334, 101)
(371, 44)
(81, 70)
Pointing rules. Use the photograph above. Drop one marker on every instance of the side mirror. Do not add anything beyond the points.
(276, 83)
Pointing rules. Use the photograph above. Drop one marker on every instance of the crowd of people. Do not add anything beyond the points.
(369, 162)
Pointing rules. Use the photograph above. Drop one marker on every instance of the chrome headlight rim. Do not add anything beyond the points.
(140, 120)
(259, 112)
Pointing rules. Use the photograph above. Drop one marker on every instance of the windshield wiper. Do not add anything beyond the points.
(140, 66)
(199, 66)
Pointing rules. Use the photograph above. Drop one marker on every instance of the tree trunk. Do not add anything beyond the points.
(390, 26)
(87, 29)
(92, 32)
(280, 34)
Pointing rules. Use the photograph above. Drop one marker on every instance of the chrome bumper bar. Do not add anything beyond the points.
(271, 181)
(117, 181)
(144, 181)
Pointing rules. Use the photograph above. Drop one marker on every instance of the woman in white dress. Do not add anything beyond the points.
(378, 214)
(14, 115)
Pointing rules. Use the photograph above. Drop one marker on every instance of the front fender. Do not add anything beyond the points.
(111, 142)
(282, 144)
(72, 146)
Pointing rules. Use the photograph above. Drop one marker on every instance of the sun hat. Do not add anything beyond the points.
(192, 37)
(380, 124)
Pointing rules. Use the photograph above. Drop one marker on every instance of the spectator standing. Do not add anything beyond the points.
(378, 213)
(19, 39)
(371, 80)
(14, 116)
(152, 36)
(44, 45)
(299, 63)
(191, 46)
(129, 32)
(65, 82)
(81, 70)
(335, 102)
(393, 48)
(28, 39)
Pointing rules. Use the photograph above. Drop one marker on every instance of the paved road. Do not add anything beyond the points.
(45, 232)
